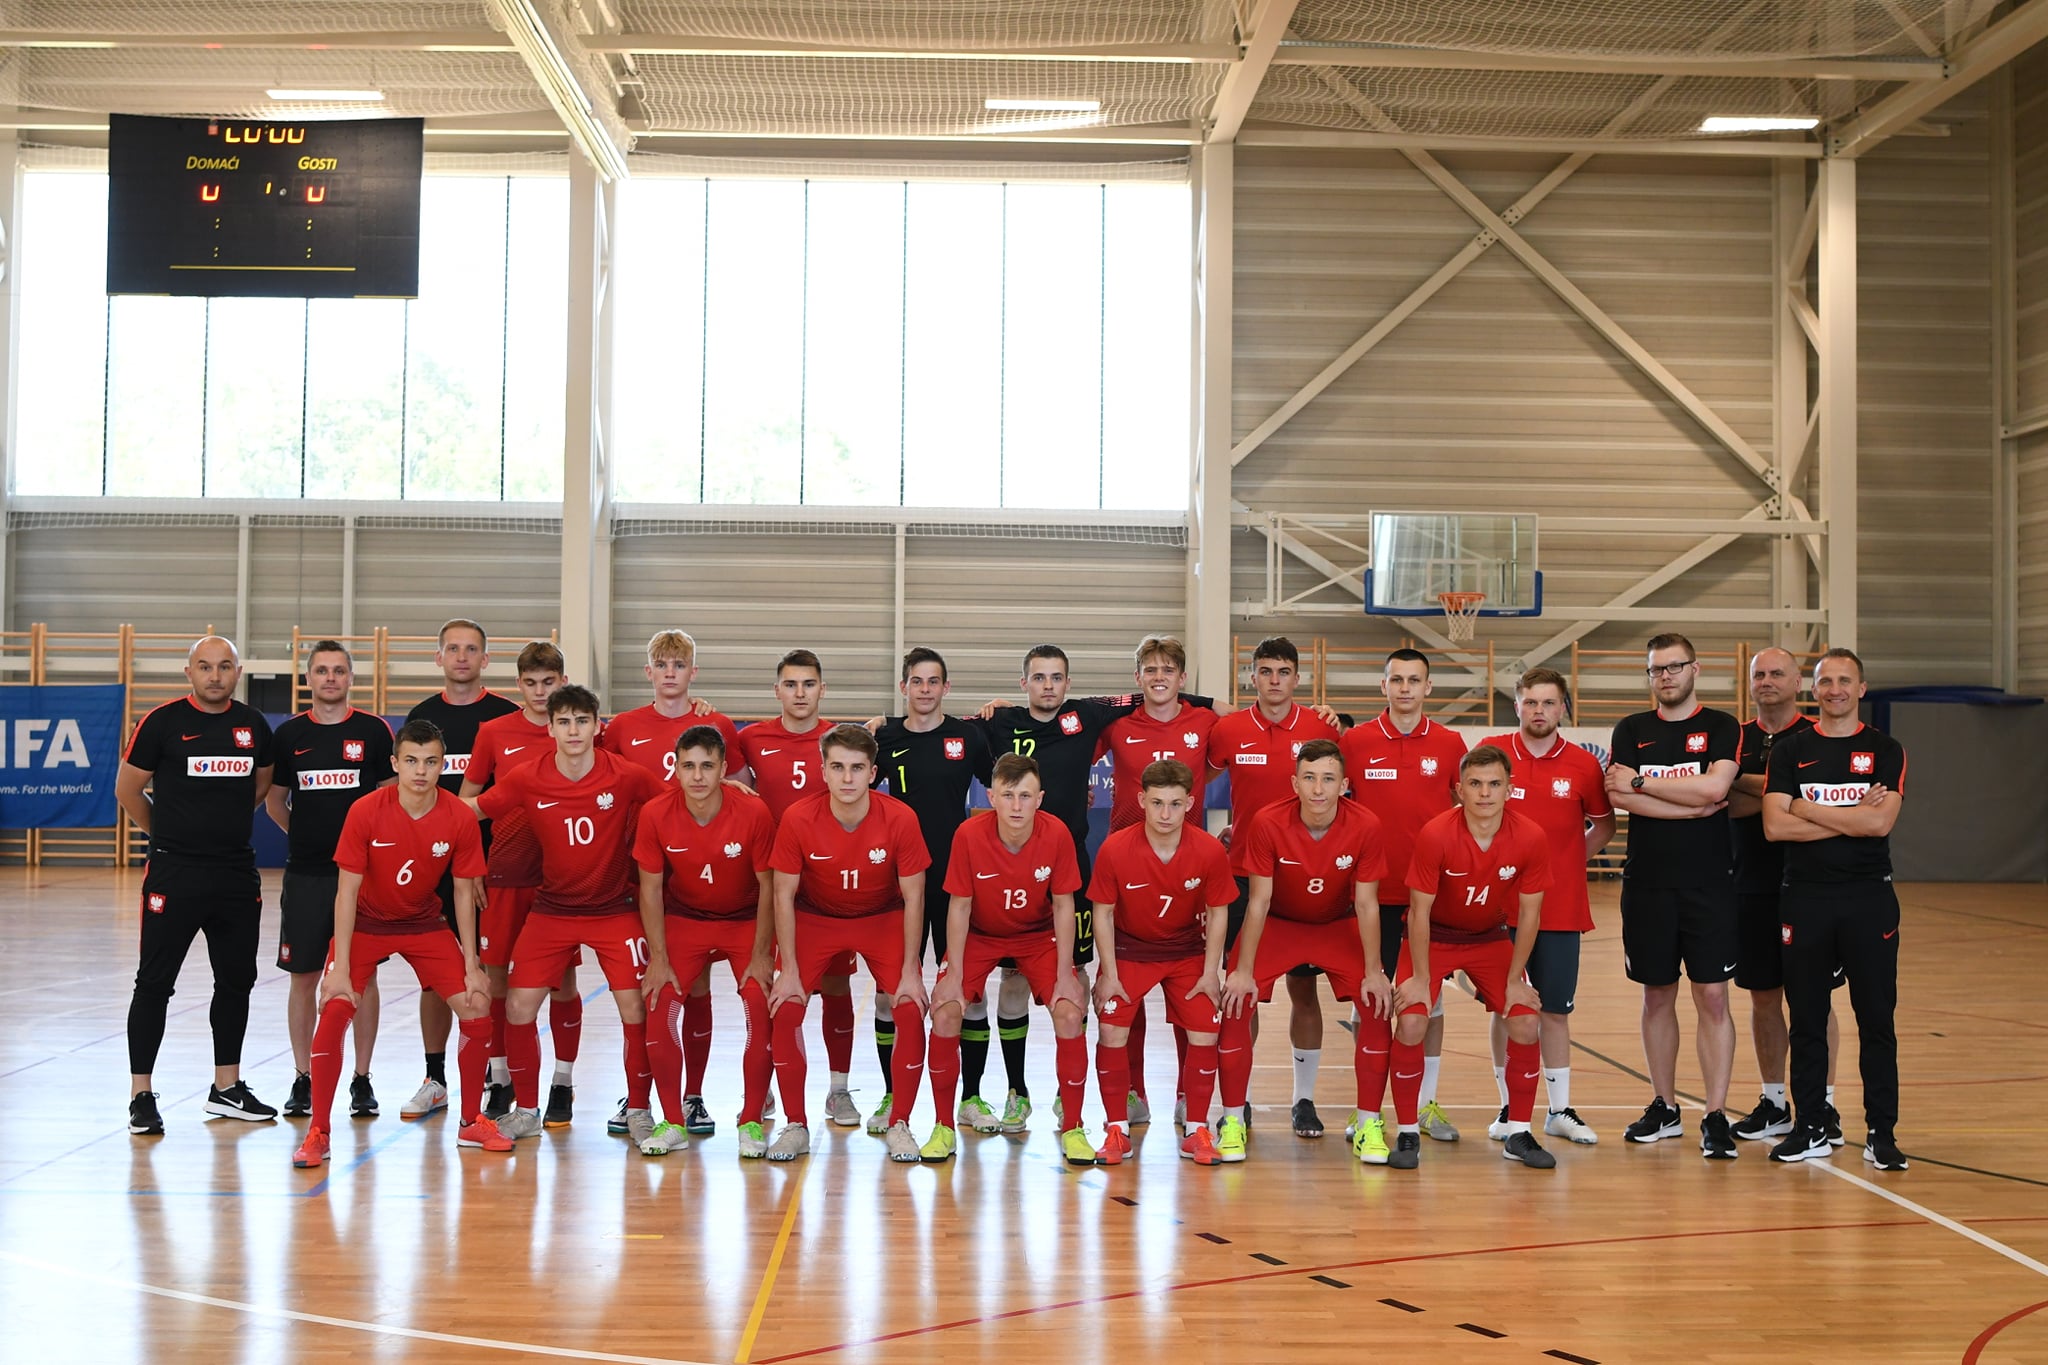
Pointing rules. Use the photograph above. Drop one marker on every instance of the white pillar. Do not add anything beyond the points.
(586, 465)
(1837, 396)
(1209, 523)
(1788, 395)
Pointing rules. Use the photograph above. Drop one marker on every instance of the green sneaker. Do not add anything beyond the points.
(753, 1141)
(940, 1146)
(665, 1138)
(1016, 1112)
(878, 1122)
(1230, 1139)
(1437, 1124)
(976, 1114)
(1076, 1148)
(1369, 1141)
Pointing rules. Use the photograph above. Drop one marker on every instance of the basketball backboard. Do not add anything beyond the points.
(1419, 556)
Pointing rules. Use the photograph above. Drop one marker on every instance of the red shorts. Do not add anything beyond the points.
(826, 946)
(1287, 944)
(1040, 967)
(694, 944)
(433, 954)
(1485, 963)
(499, 921)
(549, 944)
(1177, 977)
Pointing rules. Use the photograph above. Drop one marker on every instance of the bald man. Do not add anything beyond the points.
(205, 761)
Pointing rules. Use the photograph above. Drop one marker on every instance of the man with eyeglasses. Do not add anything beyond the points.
(1672, 771)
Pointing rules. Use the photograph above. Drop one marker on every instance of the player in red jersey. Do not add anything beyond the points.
(783, 754)
(1315, 866)
(1469, 865)
(849, 879)
(1161, 892)
(1163, 727)
(583, 805)
(1402, 767)
(1562, 788)
(395, 845)
(1011, 880)
(706, 893)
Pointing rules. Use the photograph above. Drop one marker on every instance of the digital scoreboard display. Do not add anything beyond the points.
(235, 208)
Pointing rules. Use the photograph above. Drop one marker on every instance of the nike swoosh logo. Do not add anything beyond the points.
(984, 876)
(821, 857)
(1136, 886)
(1290, 862)
(638, 742)
(296, 753)
(1569, 1003)
(766, 752)
(189, 738)
(1729, 968)
(543, 805)
(1023, 732)
(898, 753)
(1893, 934)
(1457, 874)
(379, 843)
(675, 850)
(1134, 739)
(1809, 763)
(1247, 744)
(1644, 743)
(514, 748)
(1376, 760)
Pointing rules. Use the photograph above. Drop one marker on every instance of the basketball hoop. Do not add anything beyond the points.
(1461, 613)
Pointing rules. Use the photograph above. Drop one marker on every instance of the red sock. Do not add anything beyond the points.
(943, 1060)
(1524, 1061)
(1369, 1058)
(1407, 1082)
(788, 1053)
(522, 1055)
(1199, 1076)
(1134, 1052)
(326, 1063)
(1180, 1053)
(1070, 1064)
(756, 1065)
(639, 1079)
(1113, 1079)
(908, 1065)
(565, 1026)
(664, 1056)
(497, 1027)
(696, 1041)
(1234, 1056)
(471, 1051)
(839, 1033)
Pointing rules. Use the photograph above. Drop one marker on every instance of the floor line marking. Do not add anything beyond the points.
(1939, 1220)
(760, 1309)
(1976, 1348)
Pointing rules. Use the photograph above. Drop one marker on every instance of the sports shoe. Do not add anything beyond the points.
(1567, 1124)
(697, 1120)
(899, 1143)
(768, 1106)
(1437, 1124)
(299, 1104)
(1524, 1147)
(792, 1142)
(1659, 1121)
(616, 1124)
(664, 1138)
(1831, 1121)
(143, 1118)
(520, 1123)
(431, 1095)
(753, 1141)
(639, 1125)
(1016, 1112)
(238, 1102)
(1140, 1110)
(940, 1146)
(1230, 1139)
(498, 1100)
(975, 1113)
(1307, 1122)
(362, 1100)
(312, 1152)
(1407, 1153)
(1115, 1148)
(561, 1106)
(841, 1110)
(1369, 1141)
(1498, 1129)
(1200, 1148)
(1767, 1120)
(1180, 1112)
(482, 1132)
(1076, 1148)
(1883, 1153)
(1806, 1142)
(1717, 1143)
(878, 1122)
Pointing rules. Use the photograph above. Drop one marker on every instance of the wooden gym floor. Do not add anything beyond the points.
(207, 1245)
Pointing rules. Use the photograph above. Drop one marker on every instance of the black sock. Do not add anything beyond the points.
(437, 1068)
(973, 1055)
(1012, 1032)
(885, 1044)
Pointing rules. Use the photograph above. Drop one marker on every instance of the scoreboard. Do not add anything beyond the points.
(238, 208)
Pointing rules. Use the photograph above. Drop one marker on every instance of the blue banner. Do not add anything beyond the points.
(60, 751)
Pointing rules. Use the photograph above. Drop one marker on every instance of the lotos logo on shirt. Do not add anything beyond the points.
(604, 800)
(1249, 760)
(1862, 763)
(1507, 873)
(732, 850)
(1696, 743)
(456, 764)
(318, 779)
(156, 903)
(1190, 739)
(245, 738)
(1560, 786)
(1191, 883)
(441, 848)
(878, 855)
(352, 751)
(956, 748)
(1429, 767)
(1070, 724)
(220, 767)
(1344, 861)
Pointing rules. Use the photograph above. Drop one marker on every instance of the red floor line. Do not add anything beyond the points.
(1976, 1348)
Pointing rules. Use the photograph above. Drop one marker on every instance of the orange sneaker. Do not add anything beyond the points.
(1200, 1148)
(1115, 1148)
(482, 1132)
(313, 1151)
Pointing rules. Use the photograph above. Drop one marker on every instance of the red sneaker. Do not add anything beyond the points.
(482, 1132)
(313, 1151)
(1200, 1148)
(1115, 1148)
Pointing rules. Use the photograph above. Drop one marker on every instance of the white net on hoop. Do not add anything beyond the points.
(1461, 614)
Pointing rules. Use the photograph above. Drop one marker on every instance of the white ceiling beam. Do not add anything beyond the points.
(1265, 29)
(389, 40)
(1970, 62)
(1375, 56)
(1137, 135)
(577, 84)
(1333, 140)
(701, 45)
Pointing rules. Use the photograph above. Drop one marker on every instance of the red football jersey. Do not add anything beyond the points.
(1313, 878)
(1405, 780)
(1259, 755)
(1476, 889)
(786, 765)
(713, 870)
(401, 859)
(1560, 791)
(1162, 908)
(648, 738)
(502, 744)
(1138, 740)
(849, 874)
(584, 828)
(1012, 891)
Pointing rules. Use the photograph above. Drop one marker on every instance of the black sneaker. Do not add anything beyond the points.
(1717, 1142)
(362, 1101)
(143, 1119)
(1767, 1120)
(1884, 1154)
(616, 1124)
(1659, 1121)
(1407, 1153)
(1807, 1142)
(1307, 1122)
(238, 1102)
(1524, 1147)
(299, 1103)
(497, 1100)
(697, 1120)
(1831, 1120)
(561, 1106)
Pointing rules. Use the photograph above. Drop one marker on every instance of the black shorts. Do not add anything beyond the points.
(1664, 927)
(1393, 929)
(305, 922)
(1554, 969)
(1084, 909)
(181, 901)
(446, 891)
(1762, 964)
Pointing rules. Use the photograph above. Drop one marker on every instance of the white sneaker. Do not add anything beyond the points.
(639, 1125)
(431, 1096)
(840, 1108)
(1567, 1124)
(1180, 1112)
(521, 1123)
(792, 1142)
(901, 1145)
(1498, 1129)
(1137, 1107)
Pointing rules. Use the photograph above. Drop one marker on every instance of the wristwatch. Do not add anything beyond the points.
(1636, 784)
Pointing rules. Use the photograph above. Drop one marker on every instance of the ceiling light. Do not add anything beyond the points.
(302, 95)
(1725, 123)
(1046, 106)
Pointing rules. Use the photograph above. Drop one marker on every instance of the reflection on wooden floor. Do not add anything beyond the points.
(207, 1245)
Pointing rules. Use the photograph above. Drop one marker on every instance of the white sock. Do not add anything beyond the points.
(1234, 1111)
(1306, 1064)
(1414, 1128)
(1359, 1118)
(1557, 1084)
(1831, 1094)
(1500, 1083)
(500, 1071)
(1514, 1127)
(840, 1081)
(565, 1073)
(1430, 1066)
(1775, 1093)
(1121, 1127)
